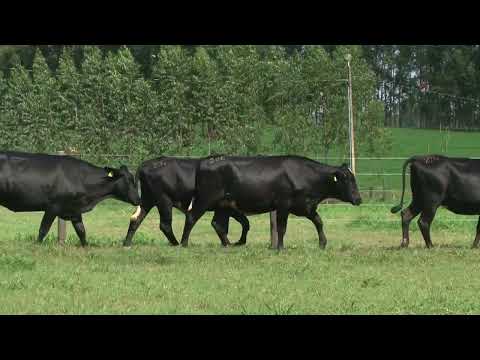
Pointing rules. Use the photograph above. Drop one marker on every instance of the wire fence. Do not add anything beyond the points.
(379, 178)
(374, 181)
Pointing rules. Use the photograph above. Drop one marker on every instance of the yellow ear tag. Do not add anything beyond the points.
(110, 174)
(335, 178)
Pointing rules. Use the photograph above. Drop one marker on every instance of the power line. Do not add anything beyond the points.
(454, 96)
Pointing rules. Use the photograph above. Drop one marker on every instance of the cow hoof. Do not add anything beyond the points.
(184, 245)
(127, 247)
(174, 244)
(238, 243)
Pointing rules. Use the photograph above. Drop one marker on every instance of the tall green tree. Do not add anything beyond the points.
(171, 74)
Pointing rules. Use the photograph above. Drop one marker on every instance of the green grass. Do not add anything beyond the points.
(361, 271)
(409, 142)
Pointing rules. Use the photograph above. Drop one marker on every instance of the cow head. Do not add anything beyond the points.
(346, 185)
(124, 187)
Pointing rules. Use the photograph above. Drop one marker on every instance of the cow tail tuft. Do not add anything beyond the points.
(397, 208)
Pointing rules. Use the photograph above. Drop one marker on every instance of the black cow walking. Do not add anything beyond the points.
(440, 181)
(255, 185)
(60, 186)
(168, 182)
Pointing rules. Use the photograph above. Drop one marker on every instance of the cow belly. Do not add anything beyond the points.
(21, 203)
(245, 207)
(462, 207)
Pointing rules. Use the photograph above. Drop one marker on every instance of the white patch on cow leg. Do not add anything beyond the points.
(191, 205)
(135, 216)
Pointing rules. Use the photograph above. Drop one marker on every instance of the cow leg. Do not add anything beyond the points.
(80, 230)
(165, 212)
(220, 224)
(407, 216)
(477, 237)
(243, 220)
(45, 225)
(282, 217)
(135, 224)
(317, 221)
(424, 222)
(191, 218)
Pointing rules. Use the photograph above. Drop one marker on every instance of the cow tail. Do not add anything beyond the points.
(197, 170)
(137, 213)
(137, 181)
(397, 208)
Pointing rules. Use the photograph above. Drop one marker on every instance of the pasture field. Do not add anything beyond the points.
(362, 271)
(405, 143)
(409, 142)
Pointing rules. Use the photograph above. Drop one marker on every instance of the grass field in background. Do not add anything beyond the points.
(409, 142)
(362, 271)
(405, 143)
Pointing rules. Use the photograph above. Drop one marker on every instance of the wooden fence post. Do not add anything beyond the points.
(62, 226)
(273, 229)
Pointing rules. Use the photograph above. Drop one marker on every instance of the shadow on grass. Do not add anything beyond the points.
(423, 247)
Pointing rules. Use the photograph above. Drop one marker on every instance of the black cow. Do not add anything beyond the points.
(60, 186)
(168, 182)
(255, 185)
(440, 181)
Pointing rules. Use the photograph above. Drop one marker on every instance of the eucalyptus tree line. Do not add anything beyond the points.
(190, 100)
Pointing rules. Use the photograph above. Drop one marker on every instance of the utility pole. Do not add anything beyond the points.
(351, 135)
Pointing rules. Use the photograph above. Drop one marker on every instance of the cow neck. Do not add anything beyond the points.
(100, 188)
(327, 172)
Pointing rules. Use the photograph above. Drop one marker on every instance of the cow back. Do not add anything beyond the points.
(31, 182)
